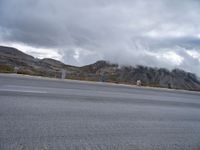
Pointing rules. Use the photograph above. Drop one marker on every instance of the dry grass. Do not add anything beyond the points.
(6, 69)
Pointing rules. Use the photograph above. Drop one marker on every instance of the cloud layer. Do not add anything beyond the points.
(156, 33)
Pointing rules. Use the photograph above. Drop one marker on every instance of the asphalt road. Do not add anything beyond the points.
(45, 114)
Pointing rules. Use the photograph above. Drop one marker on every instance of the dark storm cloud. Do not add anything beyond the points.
(123, 31)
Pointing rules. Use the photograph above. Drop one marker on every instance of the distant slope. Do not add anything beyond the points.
(13, 60)
(157, 77)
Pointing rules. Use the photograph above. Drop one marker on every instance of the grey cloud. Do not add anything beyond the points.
(122, 31)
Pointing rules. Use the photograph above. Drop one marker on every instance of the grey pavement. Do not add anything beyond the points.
(48, 114)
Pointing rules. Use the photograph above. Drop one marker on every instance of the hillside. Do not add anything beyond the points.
(13, 60)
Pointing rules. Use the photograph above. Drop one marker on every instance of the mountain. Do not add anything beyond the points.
(156, 77)
(13, 60)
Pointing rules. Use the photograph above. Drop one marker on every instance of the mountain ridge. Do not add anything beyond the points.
(13, 60)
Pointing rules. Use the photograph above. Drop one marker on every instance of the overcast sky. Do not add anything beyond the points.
(158, 33)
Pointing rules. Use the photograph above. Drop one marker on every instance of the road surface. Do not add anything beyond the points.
(44, 114)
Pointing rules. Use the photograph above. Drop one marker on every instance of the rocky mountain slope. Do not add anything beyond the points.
(13, 60)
